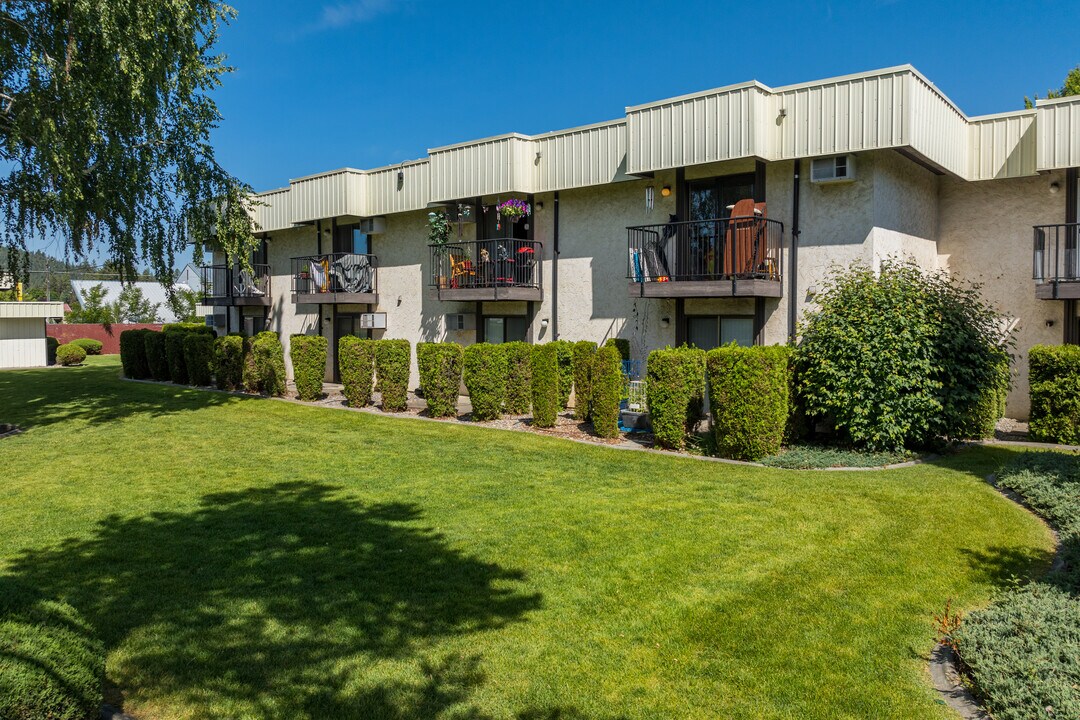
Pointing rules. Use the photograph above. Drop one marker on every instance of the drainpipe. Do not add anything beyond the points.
(555, 273)
(793, 266)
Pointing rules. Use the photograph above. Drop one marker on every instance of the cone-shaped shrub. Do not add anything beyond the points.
(545, 385)
(607, 382)
(392, 359)
(133, 354)
(620, 344)
(229, 362)
(440, 376)
(156, 361)
(674, 390)
(174, 355)
(748, 391)
(267, 358)
(199, 358)
(583, 358)
(485, 373)
(356, 359)
(308, 354)
(519, 377)
(565, 351)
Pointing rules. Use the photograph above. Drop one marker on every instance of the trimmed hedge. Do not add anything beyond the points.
(392, 358)
(440, 376)
(174, 355)
(133, 354)
(156, 360)
(1055, 393)
(199, 358)
(89, 345)
(356, 360)
(620, 344)
(51, 665)
(584, 350)
(188, 327)
(545, 385)
(308, 353)
(485, 372)
(607, 391)
(675, 392)
(70, 354)
(748, 391)
(565, 351)
(519, 377)
(229, 362)
(265, 364)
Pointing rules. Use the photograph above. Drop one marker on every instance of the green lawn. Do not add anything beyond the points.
(246, 558)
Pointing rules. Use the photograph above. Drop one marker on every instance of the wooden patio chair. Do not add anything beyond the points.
(460, 267)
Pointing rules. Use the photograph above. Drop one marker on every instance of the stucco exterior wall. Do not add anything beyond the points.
(986, 237)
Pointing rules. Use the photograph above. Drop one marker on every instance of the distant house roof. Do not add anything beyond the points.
(152, 291)
(190, 276)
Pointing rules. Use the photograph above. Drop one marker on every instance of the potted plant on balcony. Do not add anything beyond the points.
(439, 238)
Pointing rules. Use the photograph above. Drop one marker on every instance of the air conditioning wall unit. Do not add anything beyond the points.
(839, 169)
(460, 321)
(373, 225)
(373, 321)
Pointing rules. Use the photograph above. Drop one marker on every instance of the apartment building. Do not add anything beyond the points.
(707, 218)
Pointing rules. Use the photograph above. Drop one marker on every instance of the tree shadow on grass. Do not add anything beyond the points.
(288, 601)
(94, 393)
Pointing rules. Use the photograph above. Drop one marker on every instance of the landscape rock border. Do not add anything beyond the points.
(9, 430)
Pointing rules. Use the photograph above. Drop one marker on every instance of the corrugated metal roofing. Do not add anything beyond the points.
(152, 291)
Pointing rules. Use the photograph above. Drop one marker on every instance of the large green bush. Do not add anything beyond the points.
(748, 392)
(51, 665)
(188, 327)
(519, 377)
(674, 388)
(308, 354)
(70, 354)
(174, 355)
(901, 356)
(1055, 393)
(440, 376)
(392, 358)
(607, 382)
(620, 344)
(583, 358)
(545, 385)
(133, 354)
(264, 370)
(199, 358)
(89, 345)
(229, 362)
(156, 360)
(1023, 651)
(356, 360)
(485, 372)
(565, 352)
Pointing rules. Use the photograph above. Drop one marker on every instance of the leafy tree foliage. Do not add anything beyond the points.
(105, 122)
(130, 307)
(1071, 86)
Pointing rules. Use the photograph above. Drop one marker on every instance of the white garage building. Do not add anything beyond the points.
(22, 332)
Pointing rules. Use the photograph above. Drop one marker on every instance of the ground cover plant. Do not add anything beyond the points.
(319, 563)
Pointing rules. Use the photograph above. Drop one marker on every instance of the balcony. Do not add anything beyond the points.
(1056, 261)
(223, 285)
(335, 278)
(730, 257)
(487, 270)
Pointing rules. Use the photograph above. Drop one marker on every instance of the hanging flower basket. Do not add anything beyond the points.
(513, 209)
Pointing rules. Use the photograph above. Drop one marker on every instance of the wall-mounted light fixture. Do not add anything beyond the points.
(1049, 323)
(811, 290)
(539, 206)
(783, 112)
(665, 191)
(400, 178)
(1055, 188)
(544, 323)
(665, 322)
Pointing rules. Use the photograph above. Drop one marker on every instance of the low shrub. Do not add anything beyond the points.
(1055, 393)
(308, 354)
(51, 344)
(582, 361)
(519, 377)
(229, 362)
(133, 354)
(485, 372)
(156, 360)
(748, 391)
(607, 391)
(620, 344)
(51, 665)
(675, 392)
(189, 327)
(174, 355)
(440, 376)
(90, 345)
(70, 354)
(392, 358)
(545, 385)
(565, 352)
(267, 365)
(805, 457)
(199, 358)
(356, 360)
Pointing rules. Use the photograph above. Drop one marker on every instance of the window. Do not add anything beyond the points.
(505, 329)
(349, 239)
(710, 331)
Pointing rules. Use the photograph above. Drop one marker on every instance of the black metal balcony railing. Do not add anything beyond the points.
(341, 272)
(1056, 255)
(222, 282)
(706, 250)
(486, 264)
